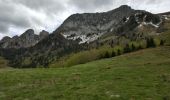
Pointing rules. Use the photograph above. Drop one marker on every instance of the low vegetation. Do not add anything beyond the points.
(3, 63)
(141, 75)
(106, 51)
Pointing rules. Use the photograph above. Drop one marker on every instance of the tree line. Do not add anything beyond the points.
(106, 51)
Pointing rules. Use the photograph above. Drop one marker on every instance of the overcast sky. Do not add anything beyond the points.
(16, 16)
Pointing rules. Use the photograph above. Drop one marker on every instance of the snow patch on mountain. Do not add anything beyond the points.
(127, 19)
(83, 38)
(166, 17)
(143, 21)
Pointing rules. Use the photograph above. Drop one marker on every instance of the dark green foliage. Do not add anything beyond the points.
(106, 52)
(113, 54)
(133, 47)
(150, 42)
(107, 55)
(154, 42)
(157, 42)
(118, 52)
(162, 42)
(127, 48)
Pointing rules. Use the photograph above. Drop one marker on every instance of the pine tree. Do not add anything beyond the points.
(118, 52)
(113, 54)
(133, 47)
(107, 55)
(127, 48)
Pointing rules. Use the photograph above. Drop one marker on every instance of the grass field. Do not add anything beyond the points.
(141, 75)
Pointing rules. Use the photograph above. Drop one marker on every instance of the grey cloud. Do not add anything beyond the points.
(3, 27)
(28, 13)
(23, 14)
(49, 6)
(153, 1)
(9, 17)
(91, 5)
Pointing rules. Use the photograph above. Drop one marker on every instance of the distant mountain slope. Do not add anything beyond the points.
(47, 50)
(27, 39)
(88, 27)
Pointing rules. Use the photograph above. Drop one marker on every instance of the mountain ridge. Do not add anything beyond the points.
(86, 31)
(25, 40)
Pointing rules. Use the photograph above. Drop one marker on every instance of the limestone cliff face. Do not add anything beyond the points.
(88, 27)
(27, 39)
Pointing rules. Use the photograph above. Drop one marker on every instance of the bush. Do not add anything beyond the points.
(82, 57)
(113, 54)
(162, 42)
(150, 42)
(157, 42)
(107, 55)
(118, 50)
(154, 42)
(105, 52)
(127, 48)
(143, 44)
(133, 46)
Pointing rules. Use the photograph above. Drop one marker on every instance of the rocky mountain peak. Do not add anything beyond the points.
(28, 33)
(43, 34)
(124, 7)
(27, 39)
(6, 38)
(87, 27)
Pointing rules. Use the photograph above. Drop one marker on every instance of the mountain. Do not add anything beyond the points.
(27, 39)
(88, 27)
(81, 32)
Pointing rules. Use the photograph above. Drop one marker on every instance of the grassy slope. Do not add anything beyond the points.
(142, 75)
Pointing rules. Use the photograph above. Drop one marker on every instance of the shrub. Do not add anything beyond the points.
(127, 48)
(133, 46)
(162, 42)
(82, 57)
(157, 42)
(107, 55)
(150, 42)
(113, 53)
(143, 44)
(118, 50)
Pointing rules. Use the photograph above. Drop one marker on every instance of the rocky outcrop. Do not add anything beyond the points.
(27, 39)
(88, 27)
(43, 34)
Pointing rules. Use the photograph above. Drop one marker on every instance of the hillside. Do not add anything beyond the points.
(141, 75)
(3, 63)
